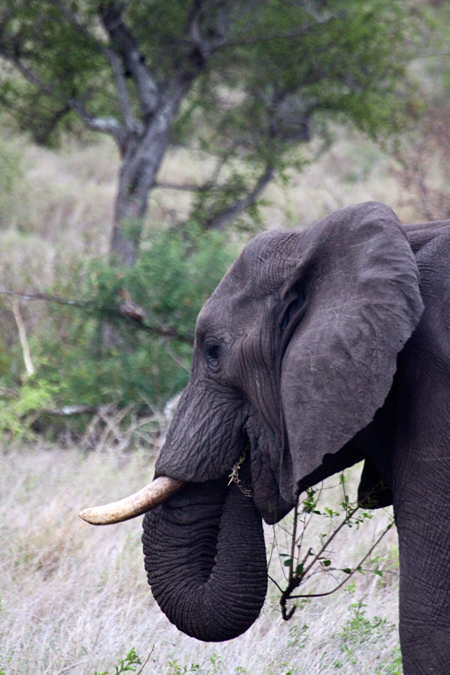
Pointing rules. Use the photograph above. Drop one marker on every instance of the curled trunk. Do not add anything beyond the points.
(205, 560)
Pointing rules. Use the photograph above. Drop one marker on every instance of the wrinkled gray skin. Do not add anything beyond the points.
(314, 352)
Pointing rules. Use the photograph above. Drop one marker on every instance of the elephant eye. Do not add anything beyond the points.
(212, 353)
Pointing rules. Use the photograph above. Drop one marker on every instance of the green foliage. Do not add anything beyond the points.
(360, 630)
(19, 408)
(176, 669)
(213, 666)
(143, 363)
(125, 665)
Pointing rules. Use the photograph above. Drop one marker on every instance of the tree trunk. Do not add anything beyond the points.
(141, 159)
(143, 150)
(140, 164)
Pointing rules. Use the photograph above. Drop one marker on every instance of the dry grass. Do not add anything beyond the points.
(75, 598)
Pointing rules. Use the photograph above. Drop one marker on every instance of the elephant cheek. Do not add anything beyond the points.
(206, 563)
(205, 438)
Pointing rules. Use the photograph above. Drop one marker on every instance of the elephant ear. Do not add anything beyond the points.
(349, 307)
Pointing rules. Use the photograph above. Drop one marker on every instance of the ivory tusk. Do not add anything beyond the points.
(148, 498)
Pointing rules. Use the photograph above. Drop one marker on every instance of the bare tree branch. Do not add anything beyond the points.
(219, 221)
(107, 125)
(130, 122)
(27, 72)
(43, 296)
(163, 330)
(125, 45)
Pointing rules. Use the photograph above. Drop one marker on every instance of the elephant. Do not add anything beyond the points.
(319, 348)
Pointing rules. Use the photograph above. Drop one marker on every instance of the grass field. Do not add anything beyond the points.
(74, 598)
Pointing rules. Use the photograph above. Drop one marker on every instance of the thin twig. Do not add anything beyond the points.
(322, 595)
(330, 538)
(275, 582)
(29, 367)
(146, 661)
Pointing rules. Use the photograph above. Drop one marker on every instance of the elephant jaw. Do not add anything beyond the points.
(151, 496)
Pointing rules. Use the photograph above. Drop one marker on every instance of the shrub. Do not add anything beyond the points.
(128, 339)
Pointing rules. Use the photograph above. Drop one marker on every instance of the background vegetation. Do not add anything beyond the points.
(94, 354)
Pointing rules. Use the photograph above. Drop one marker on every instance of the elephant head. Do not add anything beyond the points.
(295, 352)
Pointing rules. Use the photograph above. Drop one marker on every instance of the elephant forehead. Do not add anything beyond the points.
(228, 315)
(261, 268)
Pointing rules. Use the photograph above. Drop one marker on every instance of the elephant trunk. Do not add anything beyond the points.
(205, 560)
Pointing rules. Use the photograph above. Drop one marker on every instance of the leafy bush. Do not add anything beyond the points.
(128, 338)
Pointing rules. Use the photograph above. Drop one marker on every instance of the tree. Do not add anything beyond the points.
(241, 81)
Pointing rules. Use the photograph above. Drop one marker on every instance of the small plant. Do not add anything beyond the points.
(358, 627)
(393, 667)
(302, 566)
(125, 665)
(176, 669)
(214, 660)
(359, 630)
(216, 664)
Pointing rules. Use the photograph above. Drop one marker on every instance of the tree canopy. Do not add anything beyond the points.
(240, 81)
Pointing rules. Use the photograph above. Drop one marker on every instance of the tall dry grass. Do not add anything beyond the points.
(74, 598)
